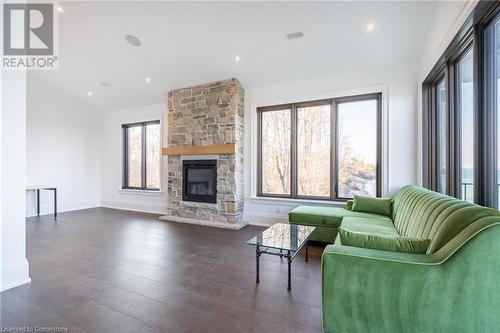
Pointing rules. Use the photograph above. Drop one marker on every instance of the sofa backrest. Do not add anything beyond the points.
(421, 213)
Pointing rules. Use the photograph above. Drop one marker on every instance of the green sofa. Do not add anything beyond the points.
(454, 287)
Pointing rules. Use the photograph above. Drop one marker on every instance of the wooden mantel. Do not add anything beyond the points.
(199, 150)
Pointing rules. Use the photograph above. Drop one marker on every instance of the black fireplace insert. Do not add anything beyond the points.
(199, 180)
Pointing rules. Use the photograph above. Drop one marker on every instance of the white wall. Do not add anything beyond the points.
(63, 149)
(447, 20)
(112, 142)
(13, 265)
(399, 99)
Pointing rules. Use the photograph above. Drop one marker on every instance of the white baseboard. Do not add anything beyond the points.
(132, 206)
(48, 209)
(232, 226)
(14, 275)
(264, 219)
(251, 218)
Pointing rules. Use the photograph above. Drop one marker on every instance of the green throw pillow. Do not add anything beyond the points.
(348, 205)
(380, 206)
(384, 243)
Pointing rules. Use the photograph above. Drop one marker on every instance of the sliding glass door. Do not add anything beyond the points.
(496, 100)
(492, 105)
(466, 107)
(461, 112)
(442, 136)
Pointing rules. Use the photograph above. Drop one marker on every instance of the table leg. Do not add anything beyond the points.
(307, 251)
(257, 257)
(55, 203)
(289, 258)
(38, 202)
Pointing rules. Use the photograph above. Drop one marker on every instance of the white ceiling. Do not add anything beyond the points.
(190, 43)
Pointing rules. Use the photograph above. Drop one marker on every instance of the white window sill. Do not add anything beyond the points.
(140, 192)
(294, 202)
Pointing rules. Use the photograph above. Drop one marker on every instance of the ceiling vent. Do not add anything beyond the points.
(295, 35)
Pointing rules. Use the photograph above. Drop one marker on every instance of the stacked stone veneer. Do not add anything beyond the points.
(202, 115)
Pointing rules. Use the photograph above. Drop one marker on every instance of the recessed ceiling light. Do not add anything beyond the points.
(370, 27)
(148, 80)
(60, 9)
(90, 93)
(133, 40)
(237, 59)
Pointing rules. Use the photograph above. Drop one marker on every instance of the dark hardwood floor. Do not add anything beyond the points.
(104, 270)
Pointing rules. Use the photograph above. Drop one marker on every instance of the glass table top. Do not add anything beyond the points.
(283, 236)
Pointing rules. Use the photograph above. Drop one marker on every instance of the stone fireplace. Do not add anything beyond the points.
(205, 132)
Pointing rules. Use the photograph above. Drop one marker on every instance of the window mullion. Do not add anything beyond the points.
(143, 152)
(479, 157)
(454, 187)
(333, 151)
(293, 153)
(125, 156)
(259, 152)
(379, 148)
(489, 121)
(449, 151)
(432, 139)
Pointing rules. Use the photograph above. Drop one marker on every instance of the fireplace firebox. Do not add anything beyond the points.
(199, 180)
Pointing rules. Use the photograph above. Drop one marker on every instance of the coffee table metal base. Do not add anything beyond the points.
(289, 255)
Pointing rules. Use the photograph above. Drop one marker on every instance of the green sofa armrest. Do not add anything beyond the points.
(454, 289)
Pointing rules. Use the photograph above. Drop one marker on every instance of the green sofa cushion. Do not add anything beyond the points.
(383, 242)
(348, 204)
(376, 226)
(380, 206)
(325, 216)
(324, 234)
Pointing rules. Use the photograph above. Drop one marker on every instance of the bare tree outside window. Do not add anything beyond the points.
(134, 156)
(313, 150)
(142, 155)
(153, 156)
(357, 126)
(276, 152)
(303, 156)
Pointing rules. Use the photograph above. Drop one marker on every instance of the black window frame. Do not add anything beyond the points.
(471, 36)
(334, 145)
(125, 170)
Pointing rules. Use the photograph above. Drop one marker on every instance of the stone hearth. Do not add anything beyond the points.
(206, 115)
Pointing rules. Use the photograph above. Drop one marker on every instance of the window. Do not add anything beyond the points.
(461, 120)
(495, 95)
(327, 149)
(466, 107)
(276, 161)
(357, 148)
(313, 150)
(442, 135)
(141, 167)
(492, 107)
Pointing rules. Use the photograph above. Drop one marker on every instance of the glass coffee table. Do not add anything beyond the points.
(283, 240)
